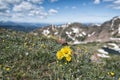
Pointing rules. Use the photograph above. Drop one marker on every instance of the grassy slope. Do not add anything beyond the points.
(27, 57)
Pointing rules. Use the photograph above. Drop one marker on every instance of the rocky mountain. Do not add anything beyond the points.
(79, 33)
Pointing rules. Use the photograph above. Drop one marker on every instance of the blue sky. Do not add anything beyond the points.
(59, 11)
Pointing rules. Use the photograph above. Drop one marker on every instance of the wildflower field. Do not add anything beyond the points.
(24, 56)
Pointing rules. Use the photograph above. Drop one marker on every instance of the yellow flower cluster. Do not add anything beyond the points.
(65, 52)
(119, 79)
(111, 74)
(7, 69)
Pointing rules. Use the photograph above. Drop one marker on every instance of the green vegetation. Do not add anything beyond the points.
(24, 56)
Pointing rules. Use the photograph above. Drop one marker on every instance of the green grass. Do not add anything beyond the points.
(27, 57)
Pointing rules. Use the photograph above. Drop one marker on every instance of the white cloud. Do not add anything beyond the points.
(7, 11)
(38, 12)
(11, 1)
(24, 9)
(3, 7)
(36, 1)
(53, 0)
(8, 4)
(107, 0)
(29, 9)
(116, 7)
(96, 1)
(17, 15)
(1, 14)
(116, 2)
(52, 11)
(24, 6)
(113, 6)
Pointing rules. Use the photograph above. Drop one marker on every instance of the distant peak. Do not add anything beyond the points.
(116, 17)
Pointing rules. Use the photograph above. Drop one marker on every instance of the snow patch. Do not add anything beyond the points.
(119, 29)
(102, 51)
(93, 33)
(55, 33)
(65, 25)
(114, 45)
(75, 30)
(71, 37)
(89, 35)
(80, 35)
(103, 55)
(84, 33)
(78, 42)
(68, 33)
(115, 39)
(45, 32)
(98, 24)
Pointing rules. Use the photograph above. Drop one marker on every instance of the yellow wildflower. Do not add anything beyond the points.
(68, 58)
(7, 68)
(48, 65)
(65, 52)
(119, 78)
(111, 74)
(59, 55)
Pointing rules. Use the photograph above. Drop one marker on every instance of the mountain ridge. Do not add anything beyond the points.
(21, 26)
(78, 32)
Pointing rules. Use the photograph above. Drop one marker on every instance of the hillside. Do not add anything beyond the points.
(77, 32)
(27, 56)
